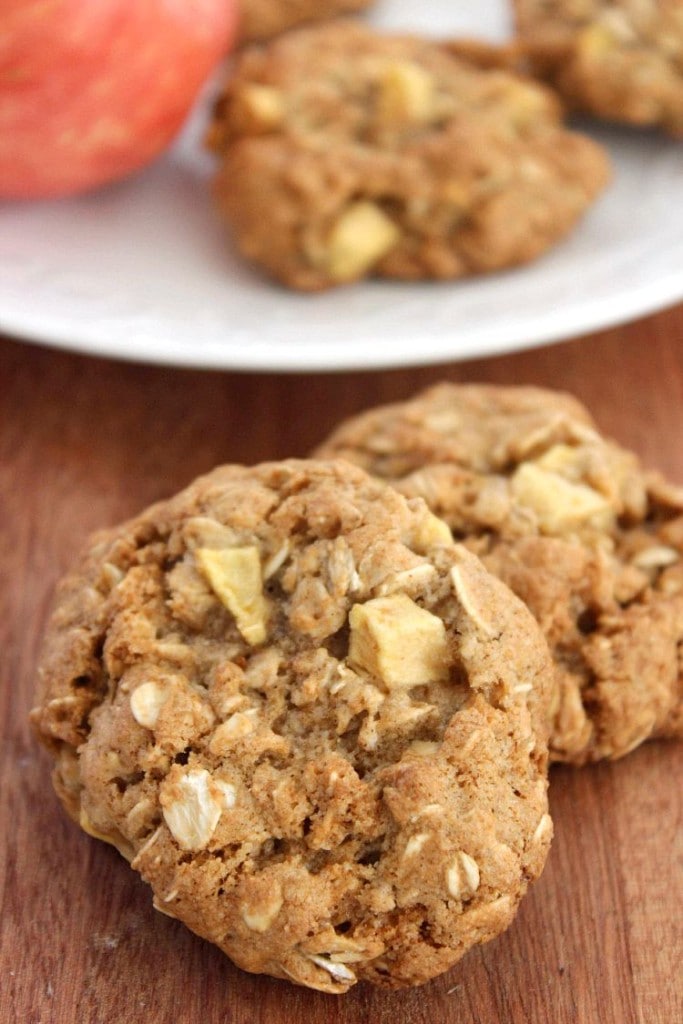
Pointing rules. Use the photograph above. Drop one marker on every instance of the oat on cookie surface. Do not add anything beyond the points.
(344, 153)
(262, 19)
(315, 726)
(573, 524)
(618, 59)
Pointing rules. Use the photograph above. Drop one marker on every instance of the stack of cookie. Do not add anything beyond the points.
(345, 153)
(311, 702)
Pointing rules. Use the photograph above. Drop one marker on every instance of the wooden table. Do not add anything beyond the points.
(86, 442)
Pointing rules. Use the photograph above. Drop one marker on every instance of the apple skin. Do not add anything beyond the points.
(92, 90)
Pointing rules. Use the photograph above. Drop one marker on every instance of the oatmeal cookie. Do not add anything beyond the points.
(315, 725)
(262, 19)
(573, 524)
(345, 153)
(618, 59)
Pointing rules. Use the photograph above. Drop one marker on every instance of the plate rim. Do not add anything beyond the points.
(585, 318)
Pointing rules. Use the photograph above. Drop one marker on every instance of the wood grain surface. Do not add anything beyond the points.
(85, 442)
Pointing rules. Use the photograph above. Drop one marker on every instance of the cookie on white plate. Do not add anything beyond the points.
(621, 60)
(345, 154)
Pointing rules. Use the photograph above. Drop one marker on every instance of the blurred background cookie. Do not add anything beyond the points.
(345, 153)
(261, 19)
(618, 59)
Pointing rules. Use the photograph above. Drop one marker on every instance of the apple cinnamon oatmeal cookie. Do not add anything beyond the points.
(261, 19)
(618, 59)
(315, 725)
(572, 523)
(344, 153)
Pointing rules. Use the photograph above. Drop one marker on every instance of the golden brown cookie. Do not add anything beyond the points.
(344, 153)
(262, 19)
(313, 724)
(572, 523)
(618, 59)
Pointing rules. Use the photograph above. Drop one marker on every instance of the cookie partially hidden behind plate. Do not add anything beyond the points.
(345, 153)
(618, 59)
(572, 523)
(261, 19)
(313, 724)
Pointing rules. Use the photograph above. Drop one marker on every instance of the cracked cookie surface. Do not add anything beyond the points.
(344, 154)
(573, 524)
(315, 725)
(618, 59)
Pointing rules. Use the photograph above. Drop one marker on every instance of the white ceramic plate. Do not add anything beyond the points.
(144, 271)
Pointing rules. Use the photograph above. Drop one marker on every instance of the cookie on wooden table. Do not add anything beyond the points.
(618, 59)
(314, 725)
(572, 523)
(261, 19)
(345, 153)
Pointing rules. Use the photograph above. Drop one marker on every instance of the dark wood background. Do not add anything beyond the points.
(86, 442)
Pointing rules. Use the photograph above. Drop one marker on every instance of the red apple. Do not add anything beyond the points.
(91, 90)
